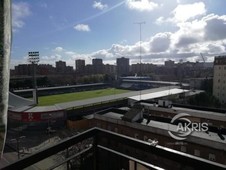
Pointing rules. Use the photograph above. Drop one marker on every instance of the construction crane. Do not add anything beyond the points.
(203, 58)
(204, 61)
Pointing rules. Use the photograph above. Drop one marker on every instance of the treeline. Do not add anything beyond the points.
(62, 80)
(205, 99)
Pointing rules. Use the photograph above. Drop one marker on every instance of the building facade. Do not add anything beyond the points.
(109, 69)
(169, 63)
(219, 78)
(61, 66)
(80, 65)
(122, 66)
(24, 69)
(97, 66)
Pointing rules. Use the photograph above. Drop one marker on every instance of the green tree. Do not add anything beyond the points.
(205, 99)
(207, 86)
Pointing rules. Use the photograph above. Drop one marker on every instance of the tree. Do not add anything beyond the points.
(204, 99)
(207, 86)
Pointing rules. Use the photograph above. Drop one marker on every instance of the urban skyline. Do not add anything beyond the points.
(115, 63)
(170, 32)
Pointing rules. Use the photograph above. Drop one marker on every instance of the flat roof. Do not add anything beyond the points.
(193, 112)
(202, 114)
(157, 82)
(62, 87)
(113, 115)
(170, 127)
(159, 94)
(44, 109)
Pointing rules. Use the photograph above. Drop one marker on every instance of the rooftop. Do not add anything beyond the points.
(158, 94)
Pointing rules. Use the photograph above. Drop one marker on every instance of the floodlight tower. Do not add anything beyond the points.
(140, 24)
(33, 58)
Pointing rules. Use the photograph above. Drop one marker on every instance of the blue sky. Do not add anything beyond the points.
(78, 29)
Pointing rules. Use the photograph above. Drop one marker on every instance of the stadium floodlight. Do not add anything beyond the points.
(33, 58)
(140, 24)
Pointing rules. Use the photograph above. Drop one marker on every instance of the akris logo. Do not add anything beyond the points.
(187, 127)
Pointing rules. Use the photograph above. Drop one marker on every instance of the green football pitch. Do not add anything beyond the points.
(68, 97)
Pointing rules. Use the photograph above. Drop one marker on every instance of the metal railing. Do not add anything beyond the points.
(113, 145)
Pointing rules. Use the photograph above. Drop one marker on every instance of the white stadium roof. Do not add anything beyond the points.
(158, 94)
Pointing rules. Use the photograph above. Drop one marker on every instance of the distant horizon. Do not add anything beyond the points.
(158, 64)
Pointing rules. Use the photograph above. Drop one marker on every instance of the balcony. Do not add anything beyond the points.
(100, 149)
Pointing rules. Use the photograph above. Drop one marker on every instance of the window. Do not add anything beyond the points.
(197, 152)
(212, 157)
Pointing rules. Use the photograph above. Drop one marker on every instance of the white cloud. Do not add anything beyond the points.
(141, 5)
(99, 5)
(82, 27)
(14, 61)
(51, 59)
(71, 53)
(215, 27)
(160, 42)
(188, 33)
(160, 20)
(185, 12)
(211, 48)
(207, 29)
(58, 49)
(20, 11)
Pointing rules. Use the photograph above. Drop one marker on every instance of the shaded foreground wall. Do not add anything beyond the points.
(5, 44)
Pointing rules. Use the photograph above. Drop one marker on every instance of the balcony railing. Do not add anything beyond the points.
(101, 149)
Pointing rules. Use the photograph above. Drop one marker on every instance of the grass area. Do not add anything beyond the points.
(68, 97)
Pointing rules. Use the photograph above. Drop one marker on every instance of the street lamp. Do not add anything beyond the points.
(18, 144)
(33, 58)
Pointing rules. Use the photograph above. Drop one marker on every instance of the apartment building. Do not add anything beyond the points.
(219, 78)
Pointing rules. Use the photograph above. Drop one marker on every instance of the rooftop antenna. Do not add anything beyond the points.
(140, 24)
